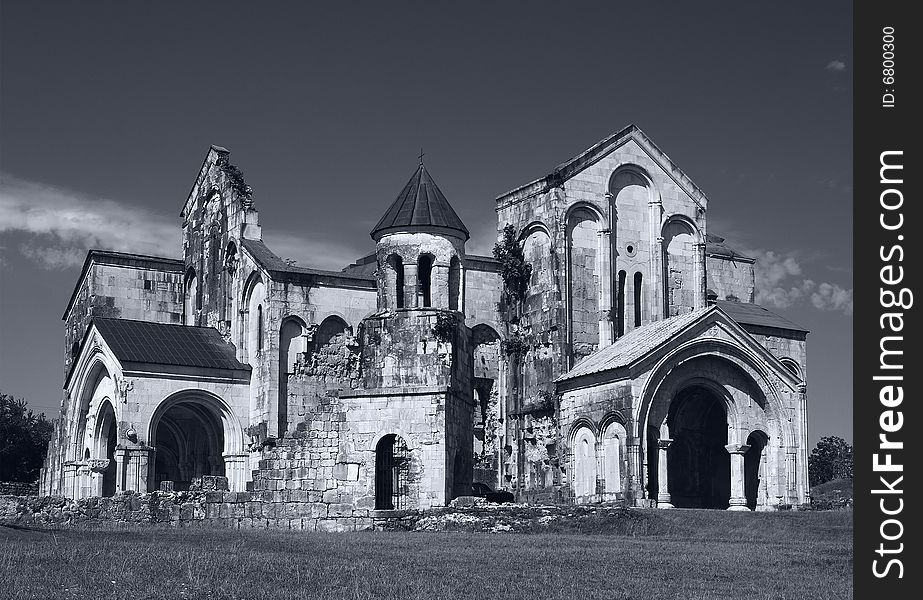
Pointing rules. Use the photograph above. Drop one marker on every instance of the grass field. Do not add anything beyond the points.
(707, 555)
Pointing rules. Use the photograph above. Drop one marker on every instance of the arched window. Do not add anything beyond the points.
(191, 301)
(291, 347)
(679, 267)
(396, 274)
(638, 281)
(425, 279)
(392, 467)
(620, 305)
(259, 328)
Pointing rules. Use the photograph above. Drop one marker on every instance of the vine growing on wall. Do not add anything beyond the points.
(236, 180)
(514, 269)
(444, 329)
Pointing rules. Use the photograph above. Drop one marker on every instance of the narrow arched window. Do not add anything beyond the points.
(638, 281)
(425, 278)
(259, 328)
(455, 284)
(620, 305)
(396, 266)
(392, 467)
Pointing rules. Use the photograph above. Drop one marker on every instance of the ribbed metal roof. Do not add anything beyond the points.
(163, 344)
(421, 204)
(633, 345)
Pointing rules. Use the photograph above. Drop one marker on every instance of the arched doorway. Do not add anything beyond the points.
(106, 437)
(189, 440)
(699, 466)
(392, 468)
(754, 470)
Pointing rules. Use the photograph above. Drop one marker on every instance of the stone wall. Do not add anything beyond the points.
(731, 279)
(18, 488)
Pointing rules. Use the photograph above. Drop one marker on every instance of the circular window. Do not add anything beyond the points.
(631, 249)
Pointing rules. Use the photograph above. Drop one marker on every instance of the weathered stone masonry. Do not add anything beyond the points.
(635, 369)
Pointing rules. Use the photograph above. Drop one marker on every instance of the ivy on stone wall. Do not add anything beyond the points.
(236, 181)
(514, 269)
(444, 329)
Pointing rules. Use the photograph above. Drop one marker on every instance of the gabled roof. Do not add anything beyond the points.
(420, 205)
(746, 313)
(280, 269)
(633, 345)
(644, 341)
(163, 344)
(597, 152)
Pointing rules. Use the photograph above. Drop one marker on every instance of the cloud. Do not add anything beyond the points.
(61, 225)
(780, 283)
(836, 65)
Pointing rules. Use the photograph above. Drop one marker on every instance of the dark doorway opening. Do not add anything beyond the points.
(699, 465)
(392, 466)
(189, 444)
(753, 461)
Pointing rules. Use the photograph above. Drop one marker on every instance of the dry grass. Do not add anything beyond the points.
(705, 555)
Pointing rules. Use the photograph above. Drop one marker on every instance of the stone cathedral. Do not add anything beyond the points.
(631, 365)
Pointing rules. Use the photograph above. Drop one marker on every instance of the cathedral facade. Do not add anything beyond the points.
(611, 351)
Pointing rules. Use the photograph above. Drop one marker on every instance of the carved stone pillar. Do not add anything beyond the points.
(121, 460)
(656, 301)
(663, 473)
(410, 285)
(137, 468)
(738, 497)
(636, 476)
(791, 476)
(235, 469)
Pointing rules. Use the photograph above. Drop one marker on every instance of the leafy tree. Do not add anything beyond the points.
(24, 440)
(830, 459)
(514, 269)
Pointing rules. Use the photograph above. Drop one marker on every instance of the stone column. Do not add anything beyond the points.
(738, 497)
(635, 490)
(439, 285)
(700, 279)
(121, 460)
(410, 285)
(604, 268)
(791, 476)
(803, 487)
(663, 472)
(235, 469)
(137, 469)
(656, 302)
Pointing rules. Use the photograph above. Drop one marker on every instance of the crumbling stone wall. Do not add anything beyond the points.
(731, 279)
(122, 286)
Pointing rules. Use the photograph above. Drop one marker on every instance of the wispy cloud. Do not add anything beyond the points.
(60, 225)
(780, 282)
(836, 65)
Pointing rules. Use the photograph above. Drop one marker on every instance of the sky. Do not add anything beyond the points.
(107, 110)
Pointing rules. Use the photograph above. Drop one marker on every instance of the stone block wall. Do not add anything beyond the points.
(731, 279)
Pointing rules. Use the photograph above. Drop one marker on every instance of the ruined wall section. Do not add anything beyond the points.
(217, 215)
(483, 287)
(730, 278)
(122, 286)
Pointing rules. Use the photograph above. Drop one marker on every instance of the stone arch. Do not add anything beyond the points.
(584, 453)
(792, 365)
(393, 473)
(537, 249)
(105, 439)
(96, 383)
(630, 191)
(585, 280)
(614, 450)
(394, 281)
(200, 435)
(192, 301)
(682, 276)
(756, 469)
(425, 263)
(255, 317)
(292, 348)
(488, 410)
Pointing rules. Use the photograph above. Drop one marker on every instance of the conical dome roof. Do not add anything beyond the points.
(421, 206)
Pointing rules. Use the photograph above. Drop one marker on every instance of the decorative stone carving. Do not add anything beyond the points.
(99, 465)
